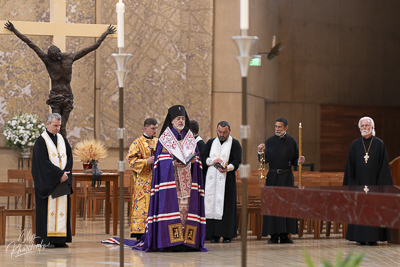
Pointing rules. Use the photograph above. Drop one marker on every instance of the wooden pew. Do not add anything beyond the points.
(15, 190)
(254, 184)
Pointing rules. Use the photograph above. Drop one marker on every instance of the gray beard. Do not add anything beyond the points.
(280, 133)
(365, 133)
(179, 128)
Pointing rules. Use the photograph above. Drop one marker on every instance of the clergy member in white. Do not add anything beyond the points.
(223, 156)
(52, 174)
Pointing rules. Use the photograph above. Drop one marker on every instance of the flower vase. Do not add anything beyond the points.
(87, 167)
(26, 153)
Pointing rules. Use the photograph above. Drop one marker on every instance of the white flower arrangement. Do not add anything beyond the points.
(22, 131)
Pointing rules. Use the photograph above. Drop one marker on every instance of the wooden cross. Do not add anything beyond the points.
(57, 28)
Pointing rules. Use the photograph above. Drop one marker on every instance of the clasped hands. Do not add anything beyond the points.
(64, 177)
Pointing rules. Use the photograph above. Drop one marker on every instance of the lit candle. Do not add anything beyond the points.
(120, 23)
(244, 14)
(273, 40)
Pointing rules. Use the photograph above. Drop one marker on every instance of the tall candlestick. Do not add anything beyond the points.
(120, 23)
(244, 14)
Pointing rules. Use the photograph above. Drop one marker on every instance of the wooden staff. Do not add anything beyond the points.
(300, 152)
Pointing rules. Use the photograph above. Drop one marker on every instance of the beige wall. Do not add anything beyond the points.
(336, 52)
(261, 81)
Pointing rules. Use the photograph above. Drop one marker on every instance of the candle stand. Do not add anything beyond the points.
(244, 44)
(121, 59)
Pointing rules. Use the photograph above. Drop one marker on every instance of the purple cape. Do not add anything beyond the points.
(164, 213)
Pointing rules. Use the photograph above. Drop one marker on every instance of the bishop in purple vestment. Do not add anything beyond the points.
(176, 219)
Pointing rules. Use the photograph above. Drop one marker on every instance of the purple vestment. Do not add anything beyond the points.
(163, 228)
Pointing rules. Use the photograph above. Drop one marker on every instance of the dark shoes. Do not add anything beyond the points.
(286, 240)
(273, 240)
(61, 245)
(283, 238)
(365, 243)
(137, 236)
(217, 239)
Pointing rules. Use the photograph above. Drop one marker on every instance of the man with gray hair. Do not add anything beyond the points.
(367, 164)
(281, 153)
(52, 176)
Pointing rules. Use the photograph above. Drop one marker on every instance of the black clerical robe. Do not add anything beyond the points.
(280, 154)
(376, 171)
(46, 176)
(200, 144)
(227, 227)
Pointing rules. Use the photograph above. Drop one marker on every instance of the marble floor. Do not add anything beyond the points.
(86, 250)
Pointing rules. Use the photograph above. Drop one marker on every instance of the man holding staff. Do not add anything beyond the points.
(281, 152)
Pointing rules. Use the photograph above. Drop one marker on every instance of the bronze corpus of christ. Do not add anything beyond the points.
(59, 67)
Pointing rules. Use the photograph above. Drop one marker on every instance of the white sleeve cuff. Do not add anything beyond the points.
(230, 168)
(209, 162)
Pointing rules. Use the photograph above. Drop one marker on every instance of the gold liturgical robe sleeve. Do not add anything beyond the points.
(139, 152)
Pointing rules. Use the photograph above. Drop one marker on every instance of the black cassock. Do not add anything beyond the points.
(280, 153)
(375, 172)
(227, 227)
(46, 176)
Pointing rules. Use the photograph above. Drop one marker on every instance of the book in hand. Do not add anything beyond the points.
(219, 165)
(188, 159)
(61, 189)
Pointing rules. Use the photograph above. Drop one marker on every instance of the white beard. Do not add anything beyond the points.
(180, 128)
(279, 134)
(365, 132)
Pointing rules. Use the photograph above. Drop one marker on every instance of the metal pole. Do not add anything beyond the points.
(121, 60)
(244, 44)
(121, 178)
(244, 179)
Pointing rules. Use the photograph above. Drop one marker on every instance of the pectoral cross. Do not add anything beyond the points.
(366, 189)
(366, 157)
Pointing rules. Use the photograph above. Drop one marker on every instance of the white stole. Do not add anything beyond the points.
(57, 207)
(215, 180)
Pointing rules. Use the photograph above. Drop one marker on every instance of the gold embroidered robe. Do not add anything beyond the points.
(139, 152)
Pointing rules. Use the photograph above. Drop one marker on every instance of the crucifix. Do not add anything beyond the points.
(366, 189)
(58, 30)
(366, 157)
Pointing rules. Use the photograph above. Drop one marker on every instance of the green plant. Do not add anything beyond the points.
(22, 131)
(349, 261)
